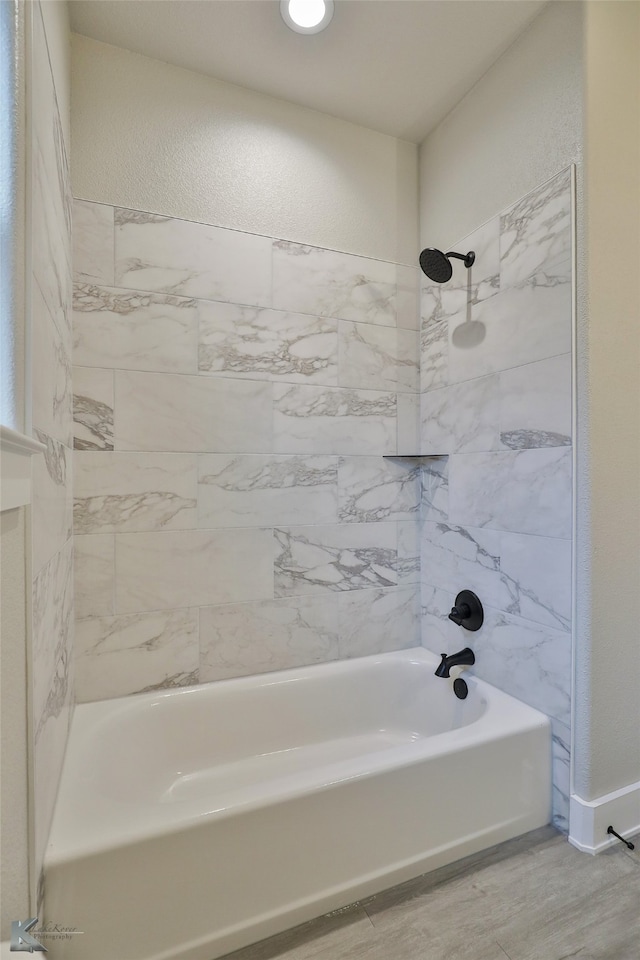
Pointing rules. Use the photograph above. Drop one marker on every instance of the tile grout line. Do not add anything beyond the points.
(503, 950)
(368, 915)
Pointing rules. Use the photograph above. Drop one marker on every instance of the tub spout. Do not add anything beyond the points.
(464, 658)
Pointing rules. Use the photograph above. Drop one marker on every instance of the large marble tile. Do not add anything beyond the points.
(52, 637)
(238, 639)
(408, 424)
(482, 279)
(523, 575)
(48, 758)
(266, 490)
(52, 390)
(408, 551)
(535, 404)
(467, 286)
(539, 571)
(348, 556)
(94, 567)
(461, 418)
(434, 354)
(373, 357)
(408, 360)
(535, 233)
(333, 420)
(50, 236)
(52, 501)
(191, 259)
(52, 685)
(432, 309)
(93, 242)
(522, 491)
(377, 621)
(330, 284)
(125, 329)
(407, 297)
(173, 413)
(121, 492)
(51, 597)
(530, 661)
(93, 402)
(116, 656)
(438, 633)
(50, 210)
(561, 774)
(50, 258)
(192, 568)
(260, 344)
(435, 489)
(48, 145)
(453, 557)
(518, 325)
(373, 489)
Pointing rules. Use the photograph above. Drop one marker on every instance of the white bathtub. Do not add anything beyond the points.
(193, 822)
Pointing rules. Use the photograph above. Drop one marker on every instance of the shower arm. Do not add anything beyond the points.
(467, 257)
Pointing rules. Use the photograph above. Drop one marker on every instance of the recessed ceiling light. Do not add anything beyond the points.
(306, 16)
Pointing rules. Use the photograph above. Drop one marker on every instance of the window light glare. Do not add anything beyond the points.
(306, 16)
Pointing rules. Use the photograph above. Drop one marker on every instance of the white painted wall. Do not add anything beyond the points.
(607, 704)
(155, 137)
(520, 125)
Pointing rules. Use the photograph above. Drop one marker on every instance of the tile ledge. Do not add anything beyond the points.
(414, 456)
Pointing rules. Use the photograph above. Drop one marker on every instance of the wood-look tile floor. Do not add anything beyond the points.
(532, 898)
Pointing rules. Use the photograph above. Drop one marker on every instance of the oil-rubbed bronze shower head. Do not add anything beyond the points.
(436, 265)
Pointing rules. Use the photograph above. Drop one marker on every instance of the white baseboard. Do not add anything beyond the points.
(589, 819)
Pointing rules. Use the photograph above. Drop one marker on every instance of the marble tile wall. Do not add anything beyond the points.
(234, 398)
(495, 404)
(51, 661)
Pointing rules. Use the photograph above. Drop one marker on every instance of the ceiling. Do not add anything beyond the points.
(396, 66)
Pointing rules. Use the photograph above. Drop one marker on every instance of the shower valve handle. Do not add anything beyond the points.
(458, 614)
(467, 611)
